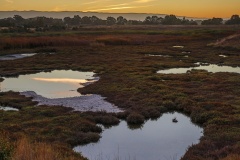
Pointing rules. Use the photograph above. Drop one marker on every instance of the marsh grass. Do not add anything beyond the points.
(129, 80)
(6, 147)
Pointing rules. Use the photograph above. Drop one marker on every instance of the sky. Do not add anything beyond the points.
(190, 8)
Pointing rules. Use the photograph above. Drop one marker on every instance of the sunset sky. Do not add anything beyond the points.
(191, 8)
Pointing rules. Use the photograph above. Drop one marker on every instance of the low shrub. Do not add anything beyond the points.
(123, 115)
(107, 120)
(232, 157)
(154, 113)
(169, 104)
(135, 118)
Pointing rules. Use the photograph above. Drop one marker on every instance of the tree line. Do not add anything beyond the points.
(234, 20)
(18, 23)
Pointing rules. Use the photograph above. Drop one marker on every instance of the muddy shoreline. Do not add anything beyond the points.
(93, 102)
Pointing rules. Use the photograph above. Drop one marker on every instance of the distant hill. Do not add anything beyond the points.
(62, 14)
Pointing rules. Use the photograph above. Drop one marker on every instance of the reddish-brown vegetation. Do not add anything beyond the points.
(129, 80)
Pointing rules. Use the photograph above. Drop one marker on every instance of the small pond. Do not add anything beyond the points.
(8, 108)
(178, 46)
(55, 84)
(159, 55)
(224, 56)
(16, 56)
(159, 139)
(59, 88)
(208, 67)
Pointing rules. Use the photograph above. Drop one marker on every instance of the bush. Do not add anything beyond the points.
(169, 104)
(6, 148)
(154, 113)
(107, 120)
(135, 118)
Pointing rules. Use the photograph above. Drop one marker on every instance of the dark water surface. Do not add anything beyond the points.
(157, 140)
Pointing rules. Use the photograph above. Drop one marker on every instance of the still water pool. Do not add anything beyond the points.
(159, 139)
(5, 108)
(55, 84)
(210, 68)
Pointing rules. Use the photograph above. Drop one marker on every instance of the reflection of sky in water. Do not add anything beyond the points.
(55, 84)
(160, 139)
(16, 56)
(8, 108)
(210, 68)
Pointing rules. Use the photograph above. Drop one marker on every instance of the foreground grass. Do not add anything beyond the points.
(129, 80)
(24, 149)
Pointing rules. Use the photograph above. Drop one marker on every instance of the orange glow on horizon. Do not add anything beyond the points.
(189, 8)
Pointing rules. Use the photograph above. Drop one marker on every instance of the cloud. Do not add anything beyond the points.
(9, 1)
(118, 8)
(93, 2)
(117, 5)
(113, 8)
(60, 8)
(144, 1)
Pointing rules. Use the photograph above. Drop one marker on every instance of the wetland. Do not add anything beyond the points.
(129, 81)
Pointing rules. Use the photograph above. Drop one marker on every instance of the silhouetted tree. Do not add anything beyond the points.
(95, 20)
(7, 22)
(171, 20)
(76, 20)
(213, 21)
(86, 20)
(235, 19)
(153, 20)
(111, 21)
(67, 20)
(18, 19)
(121, 20)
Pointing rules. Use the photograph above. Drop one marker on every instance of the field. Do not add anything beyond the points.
(128, 78)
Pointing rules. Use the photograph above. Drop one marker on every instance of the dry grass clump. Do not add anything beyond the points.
(38, 151)
(135, 118)
(25, 150)
(232, 157)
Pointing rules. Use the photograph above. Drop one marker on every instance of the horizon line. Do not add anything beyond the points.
(112, 13)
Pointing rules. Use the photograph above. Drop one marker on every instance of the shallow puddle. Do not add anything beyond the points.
(159, 55)
(16, 56)
(224, 56)
(55, 84)
(208, 67)
(156, 139)
(8, 108)
(178, 46)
